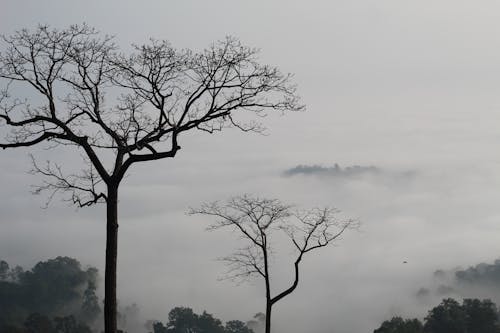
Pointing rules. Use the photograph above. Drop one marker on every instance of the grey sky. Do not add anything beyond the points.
(405, 86)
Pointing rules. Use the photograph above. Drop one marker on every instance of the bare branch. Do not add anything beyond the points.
(313, 229)
(124, 109)
(256, 219)
(200, 90)
(249, 215)
(244, 264)
(81, 190)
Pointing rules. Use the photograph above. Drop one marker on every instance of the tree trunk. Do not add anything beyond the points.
(268, 317)
(269, 303)
(110, 325)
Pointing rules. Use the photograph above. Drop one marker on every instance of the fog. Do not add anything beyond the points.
(406, 91)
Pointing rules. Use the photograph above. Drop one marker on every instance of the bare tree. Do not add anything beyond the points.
(256, 219)
(116, 110)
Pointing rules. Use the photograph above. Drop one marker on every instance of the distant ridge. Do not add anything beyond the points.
(334, 171)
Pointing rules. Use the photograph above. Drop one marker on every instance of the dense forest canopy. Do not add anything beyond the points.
(59, 296)
(472, 316)
(56, 287)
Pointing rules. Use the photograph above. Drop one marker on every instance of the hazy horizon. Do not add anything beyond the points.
(410, 89)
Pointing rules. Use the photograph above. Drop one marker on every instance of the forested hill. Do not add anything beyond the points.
(450, 316)
(56, 292)
(59, 296)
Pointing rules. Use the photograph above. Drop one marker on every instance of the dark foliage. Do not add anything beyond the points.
(236, 326)
(472, 316)
(56, 287)
(38, 323)
(400, 325)
(183, 319)
(447, 317)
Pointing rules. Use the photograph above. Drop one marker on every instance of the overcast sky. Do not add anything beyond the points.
(410, 87)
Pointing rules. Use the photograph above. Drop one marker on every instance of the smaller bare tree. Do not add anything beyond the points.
(256, 219)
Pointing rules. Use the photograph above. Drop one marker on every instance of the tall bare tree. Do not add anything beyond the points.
(256, 219)
(73, 87)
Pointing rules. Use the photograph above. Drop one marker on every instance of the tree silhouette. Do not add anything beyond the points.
(481, 316)
(447, 317)
(472, 316)
(237, 326)
(118, 110)
(185, 320)
(256, 219)
(400, 325)
(56, 287)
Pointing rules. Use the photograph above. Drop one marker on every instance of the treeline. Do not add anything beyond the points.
(181, 320)
(472, 316)
(38, 323)
(58, 296)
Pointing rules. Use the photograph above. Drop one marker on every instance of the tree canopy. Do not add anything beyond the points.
(472, 316)
(53, 287)
(400, 325)
(183, 319)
